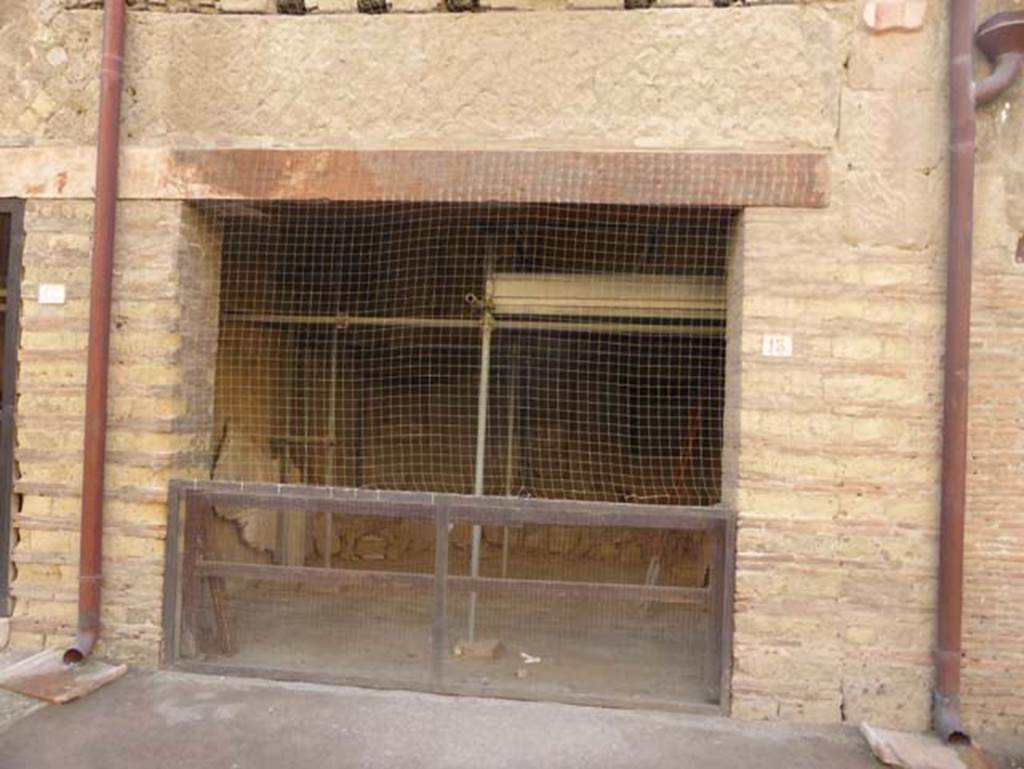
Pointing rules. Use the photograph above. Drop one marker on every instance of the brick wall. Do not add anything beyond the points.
(838, 476)
(994, 568)
(146, 441)
(834, 451)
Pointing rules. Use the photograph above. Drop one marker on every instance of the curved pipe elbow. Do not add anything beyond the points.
(1003, 75)
(82, 646)
(946, 719)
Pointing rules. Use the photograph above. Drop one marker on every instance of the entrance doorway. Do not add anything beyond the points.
(11, 243)
(493, 435)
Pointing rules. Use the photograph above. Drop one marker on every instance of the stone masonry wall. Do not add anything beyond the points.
(837, 447)
(319, 7)
(994, 578)
(146, 442)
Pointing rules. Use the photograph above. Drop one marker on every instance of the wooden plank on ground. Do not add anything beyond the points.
(46, 677)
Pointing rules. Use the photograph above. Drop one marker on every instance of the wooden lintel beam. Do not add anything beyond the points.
(664, 178)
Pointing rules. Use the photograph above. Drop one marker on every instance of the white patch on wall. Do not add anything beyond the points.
(884, 15)
(777, 346)
(52, 293)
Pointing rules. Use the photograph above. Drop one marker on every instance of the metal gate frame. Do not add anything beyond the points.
(190, 501)
(14, 209)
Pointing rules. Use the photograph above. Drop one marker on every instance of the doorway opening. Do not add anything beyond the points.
(11, 244)
(464, 447)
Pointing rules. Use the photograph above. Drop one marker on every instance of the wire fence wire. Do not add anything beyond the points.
(621, 611)
(555, 351)
(533, 350)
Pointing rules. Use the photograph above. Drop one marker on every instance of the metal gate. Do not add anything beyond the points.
(465, 446)
(657, 641)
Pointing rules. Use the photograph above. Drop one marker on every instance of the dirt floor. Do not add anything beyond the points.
(167, 720)
(595, 651)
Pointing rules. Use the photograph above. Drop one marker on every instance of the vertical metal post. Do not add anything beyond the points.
(439, 626)
(513, 402)
(298, 537)
(358, 381)
(281, 543)
(332, 444)
(304, 389)
(713, 650)
(171, 616)
(481, 450)
(197, 514)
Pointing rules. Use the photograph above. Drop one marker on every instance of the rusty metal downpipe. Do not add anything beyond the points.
(90, 569)
(1003, 45)
(960, 228)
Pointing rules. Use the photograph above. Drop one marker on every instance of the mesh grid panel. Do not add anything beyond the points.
(518, 350)
(578, 350)
(604, 611)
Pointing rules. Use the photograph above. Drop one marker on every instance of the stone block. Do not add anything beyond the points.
(247, 6)
(415, 6)
(887, 130)
(336, 6)
(897, 63)
(901, 208)
(508, 5)
(118, 548)
(45, 541)
(595, 5)
(480, 649)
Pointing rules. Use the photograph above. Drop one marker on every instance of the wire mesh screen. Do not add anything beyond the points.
(554, 351)
(575, 603)
(540, 353)
(367, 621)
(559, 615)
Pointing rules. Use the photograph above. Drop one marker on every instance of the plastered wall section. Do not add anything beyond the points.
(836, 448)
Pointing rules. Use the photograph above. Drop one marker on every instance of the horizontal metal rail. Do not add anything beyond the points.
(463, 508)
(569, 326)
(696, 597)
(190, 576)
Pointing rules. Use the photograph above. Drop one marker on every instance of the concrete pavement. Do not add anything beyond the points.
(162, 719)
